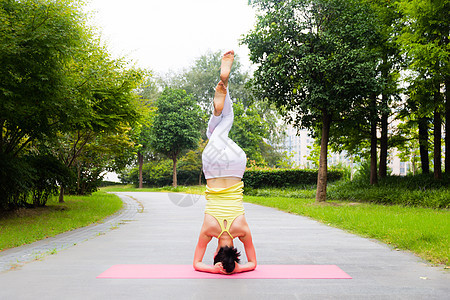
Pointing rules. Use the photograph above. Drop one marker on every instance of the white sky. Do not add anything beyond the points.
(164, 35)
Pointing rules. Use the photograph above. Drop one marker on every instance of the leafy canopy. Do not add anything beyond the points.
(313, 56)
(176, 123)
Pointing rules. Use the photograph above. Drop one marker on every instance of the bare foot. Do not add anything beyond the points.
(225, 68)
(219, 98)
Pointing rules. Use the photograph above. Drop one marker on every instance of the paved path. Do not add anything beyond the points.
(166, 232)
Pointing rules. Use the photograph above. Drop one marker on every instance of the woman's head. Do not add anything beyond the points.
(228, 256)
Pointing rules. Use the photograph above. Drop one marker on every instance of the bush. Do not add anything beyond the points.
(16, 180)
(50, 173)
(30, 181)
(159, 174)
(87, 181)
(419, 190)
(258, 178)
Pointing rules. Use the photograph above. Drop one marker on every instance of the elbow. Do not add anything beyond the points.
(197, 266)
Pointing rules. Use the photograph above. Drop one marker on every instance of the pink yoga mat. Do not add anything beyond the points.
(261, 272)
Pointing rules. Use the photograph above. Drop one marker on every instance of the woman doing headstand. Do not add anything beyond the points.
(224, 165)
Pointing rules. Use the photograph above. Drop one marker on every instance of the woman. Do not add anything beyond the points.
(224, 165)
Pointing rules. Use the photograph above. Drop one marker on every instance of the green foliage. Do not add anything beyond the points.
(60, 93)
(200, 80)
(285, 161)
(37, 41)
(249, 131)
(316, 63)
(419, 190)
(258, 177)
(176, 123)
(202, 77)
(30, 180)
(16, 179)
(424, 38)
(313, 56)
(50, 174)
(158, 173)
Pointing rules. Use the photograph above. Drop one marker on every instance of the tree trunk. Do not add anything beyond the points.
(174, 171)
(423, 145)
(373, 141)
(141, 163)
(78, 178)
(321, 194)
(61, 195)
(437, 139)
(447, 125)
(373, 153)
(351, 168)
(384, 138)
(385, 70)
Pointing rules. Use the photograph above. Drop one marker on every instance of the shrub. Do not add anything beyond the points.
(419, 190)
(50, 173)
(30, 180)
(16, 179)
(259, 177)
(159, 173)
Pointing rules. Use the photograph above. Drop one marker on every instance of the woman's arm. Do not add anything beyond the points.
(203, 241)
(250, 252)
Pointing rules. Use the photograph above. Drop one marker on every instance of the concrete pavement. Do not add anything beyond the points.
(165, 231)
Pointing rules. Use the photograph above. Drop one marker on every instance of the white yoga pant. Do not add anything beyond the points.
(222, 157)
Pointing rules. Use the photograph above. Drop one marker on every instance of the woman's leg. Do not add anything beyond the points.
(223, 127)
(222, 96)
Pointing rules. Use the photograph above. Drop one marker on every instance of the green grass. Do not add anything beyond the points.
(194, 189)
(423, 231)
(29, 225)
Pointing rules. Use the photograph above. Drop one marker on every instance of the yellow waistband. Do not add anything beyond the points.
(236, 188)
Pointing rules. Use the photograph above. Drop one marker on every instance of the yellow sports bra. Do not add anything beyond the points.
(225, 204)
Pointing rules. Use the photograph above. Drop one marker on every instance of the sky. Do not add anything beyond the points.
(168, 35)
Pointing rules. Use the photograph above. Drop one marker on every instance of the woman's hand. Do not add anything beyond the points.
(218, 268)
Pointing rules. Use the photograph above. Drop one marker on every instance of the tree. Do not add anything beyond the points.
(314, 62)
(418, 110)
(148, 93)
(103, 89)
(60, 91)
(250, 131)
(389, 64)
(424, 39)
(175, 125)
(37, 41)
(409, 148)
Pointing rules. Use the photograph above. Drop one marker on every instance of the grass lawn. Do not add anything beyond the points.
(423, 231)
(29, 225)
(194, 189)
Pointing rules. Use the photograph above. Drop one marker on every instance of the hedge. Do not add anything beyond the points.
(419, 190)
(259, 178)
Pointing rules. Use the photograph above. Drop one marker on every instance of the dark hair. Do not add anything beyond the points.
(227, 256)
